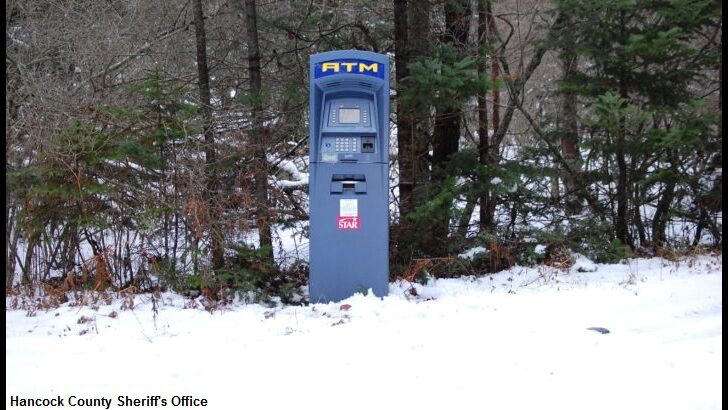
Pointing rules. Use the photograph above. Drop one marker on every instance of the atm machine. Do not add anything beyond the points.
(349, 175)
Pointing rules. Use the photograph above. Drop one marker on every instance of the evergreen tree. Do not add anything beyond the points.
(642, 61)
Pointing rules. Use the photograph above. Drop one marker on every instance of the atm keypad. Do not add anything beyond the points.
(346, 144)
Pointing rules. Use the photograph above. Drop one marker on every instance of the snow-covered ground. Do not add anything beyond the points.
(515, 340)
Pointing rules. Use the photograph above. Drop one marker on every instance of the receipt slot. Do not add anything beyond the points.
(349, 180)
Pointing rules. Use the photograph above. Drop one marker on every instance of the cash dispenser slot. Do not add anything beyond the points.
(341, 183)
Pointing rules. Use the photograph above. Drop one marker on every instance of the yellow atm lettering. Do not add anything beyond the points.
(350, 67)
(374, 67)
(330, 66)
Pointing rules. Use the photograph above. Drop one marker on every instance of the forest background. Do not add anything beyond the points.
(164, 145)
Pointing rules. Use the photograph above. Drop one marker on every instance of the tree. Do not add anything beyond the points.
(405, 150)
(411, 29)
(485, 213)
(260, 173)
(203, 82)
(569, 128)
(446, 130)
(644, 57)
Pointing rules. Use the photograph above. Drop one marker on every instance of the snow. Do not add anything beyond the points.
(583, 264)
(470, 253)
(300, 179)
(518, 339)
(291, 244)
(540, 249)
(496, 181)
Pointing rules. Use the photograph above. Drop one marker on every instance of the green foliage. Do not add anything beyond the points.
(692, 127)
(250, 276)
(588, 236)
(81, 170)
(499, 179)
(464, 177)
(640, 64)
(445, 80)
(251, 100)
(478, 264)
(161, 118)
(527, 255)
(168, 275)
(195, 281)
(247, 271)
(138, 153)
(606, 252)
(62, 185)
(441, 196)
(644, 47)
(293, 94)
(612, 113)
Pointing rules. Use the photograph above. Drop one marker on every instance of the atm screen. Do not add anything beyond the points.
(349, 115)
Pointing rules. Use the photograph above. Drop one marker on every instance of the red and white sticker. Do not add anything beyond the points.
(347, 223)
(348, 219)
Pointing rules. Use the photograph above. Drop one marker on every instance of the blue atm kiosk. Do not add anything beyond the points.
(349, 174)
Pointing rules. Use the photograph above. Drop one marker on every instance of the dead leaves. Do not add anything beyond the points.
(197, 216)
(102, 279)
(127, 295)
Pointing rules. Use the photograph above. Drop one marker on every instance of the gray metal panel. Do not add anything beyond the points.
(343, 262)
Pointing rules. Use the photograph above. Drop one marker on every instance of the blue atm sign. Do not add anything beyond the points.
(348, 66)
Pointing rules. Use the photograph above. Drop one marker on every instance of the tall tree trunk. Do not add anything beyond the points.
(464, 223)
(260, 174)
(412, 26)
(494, 67)
(622, 222)
(718, 183)
(570, 134)
(447, 121)
(418, 30)
(405, 135)
(500, 128)
(662, 209)
(659, 221)
(31, 243)
(203, 83)
(712, 201)
(12, 236)
(555, 190)
(486, 220)
(637, 214)
(405, 146)
(446, 134)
